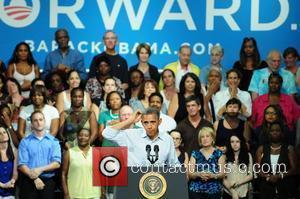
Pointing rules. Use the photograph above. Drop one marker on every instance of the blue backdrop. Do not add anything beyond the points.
(164, 24)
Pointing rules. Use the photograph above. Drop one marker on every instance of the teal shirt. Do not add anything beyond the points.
(105, 118)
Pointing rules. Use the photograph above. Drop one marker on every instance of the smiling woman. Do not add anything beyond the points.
(38, 98)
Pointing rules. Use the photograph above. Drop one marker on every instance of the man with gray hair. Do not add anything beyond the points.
(64, 58)
(119, 67)
(182, 66)
(144, 142)
(259, 81)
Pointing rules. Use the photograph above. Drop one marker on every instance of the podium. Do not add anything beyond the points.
(154, 183)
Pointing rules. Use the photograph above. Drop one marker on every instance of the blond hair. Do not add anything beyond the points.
(206, 130)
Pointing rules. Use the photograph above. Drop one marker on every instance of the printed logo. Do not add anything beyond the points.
(110, 166)
(19, 13)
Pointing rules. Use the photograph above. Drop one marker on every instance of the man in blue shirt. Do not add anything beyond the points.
(144, 142)
(64, 59)
(39, 155)
(259, 81)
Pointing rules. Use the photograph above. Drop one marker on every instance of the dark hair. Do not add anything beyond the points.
(61, 30)
(192, 98)
(75, 90)
(102, 58)
(9, 152)
(150, 111)
(276, 76)
(39, 89)
(14, 81)
(243, 157)
(14, 58)
(36, 112)
(256, 55)
(139, 48)
(197, 90)
(233, 70)
(165, 70)
(234, 101)
(280, 118)
(280, 124)
(48, 80)
(291, 50)
(35, 80)
(157, 94)
(77, 133)
(141, 94)
(182, 140)
(3, 82)
(3, 106)
(70, 73)
(131, 71)
(108, 98)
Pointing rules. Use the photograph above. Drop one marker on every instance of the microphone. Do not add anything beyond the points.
(156, 150)
(148, 149)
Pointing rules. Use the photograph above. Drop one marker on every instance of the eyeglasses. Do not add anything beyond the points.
(271, 113)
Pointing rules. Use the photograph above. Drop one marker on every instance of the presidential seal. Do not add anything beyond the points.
(152, 185)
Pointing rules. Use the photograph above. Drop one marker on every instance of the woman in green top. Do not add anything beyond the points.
(114, 102)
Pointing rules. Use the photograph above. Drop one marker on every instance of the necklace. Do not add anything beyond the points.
(113, 116)
(276, 148)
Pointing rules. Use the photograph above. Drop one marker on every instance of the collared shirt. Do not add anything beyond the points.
(260, 78)
(190, 134)
(72, 59)
(223, 96)
(290, 109)
(137, 139)
(34, 152)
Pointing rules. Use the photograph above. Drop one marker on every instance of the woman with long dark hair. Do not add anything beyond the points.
(249, 61)
(8, 166)
(189, 85)
(239, 164)
(178, 143)
(23, 67)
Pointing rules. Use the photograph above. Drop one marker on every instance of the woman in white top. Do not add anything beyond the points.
(239, 164)
(23, 67)
(38, 96)
(64, 98)
(168, 79)
(233, 80)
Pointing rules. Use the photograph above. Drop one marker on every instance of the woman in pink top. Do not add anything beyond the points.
(290, 109)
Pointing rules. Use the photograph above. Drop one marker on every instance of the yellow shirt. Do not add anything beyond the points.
(80, 175)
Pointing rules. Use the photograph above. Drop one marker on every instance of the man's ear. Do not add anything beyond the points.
(159, 121)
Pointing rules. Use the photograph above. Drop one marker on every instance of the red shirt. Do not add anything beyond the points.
(290, 109)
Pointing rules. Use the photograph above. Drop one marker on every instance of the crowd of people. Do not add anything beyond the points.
(235, 119)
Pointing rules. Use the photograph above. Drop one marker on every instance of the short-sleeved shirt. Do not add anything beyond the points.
(49, 112)
(260, 78)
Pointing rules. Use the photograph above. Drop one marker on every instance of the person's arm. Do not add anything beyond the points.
(192, 174)
(60, 102)
(21, 127)
(10, 70)
(246, 104)
(54, 126)
(36, 71)
(64, 174)
(88, 100)
(10, 128)
(254, 84)
(79, 66)
(249, 177)
(259, 155)
(135, 117)
(61, 126)
(247, 133)
(93, 126)
(221, 173)
(292, 161)
(173, 107)
(101, 127)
